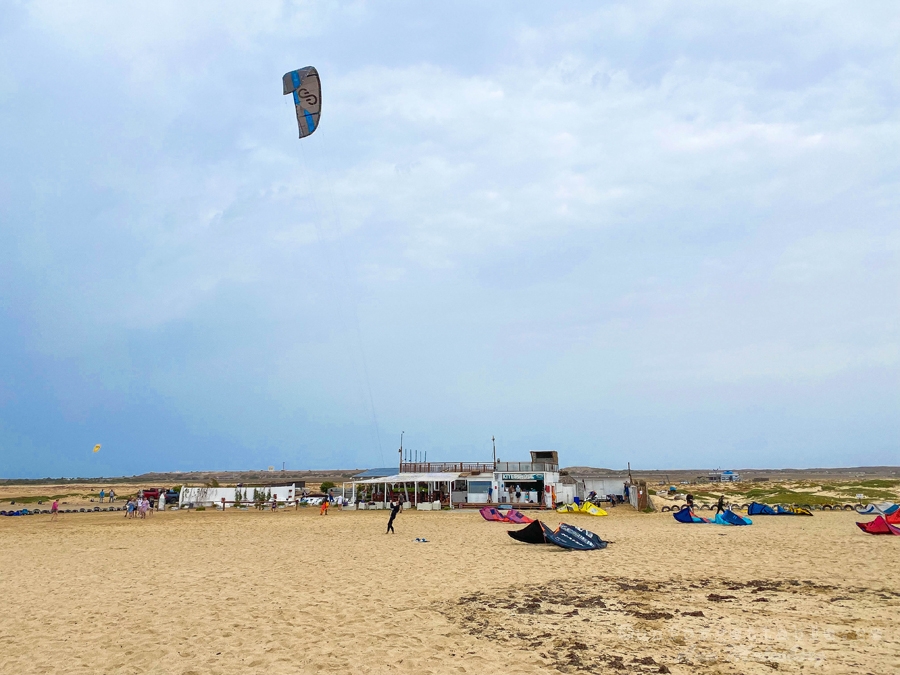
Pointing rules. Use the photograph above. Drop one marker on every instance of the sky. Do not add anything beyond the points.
(662, 233)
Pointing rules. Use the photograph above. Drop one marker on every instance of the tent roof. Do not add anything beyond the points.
(411, 477)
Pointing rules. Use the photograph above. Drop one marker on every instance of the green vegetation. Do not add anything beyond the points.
(878, 495)
(327, 485)
(800, 492)
(200, 508)
(34, 499)
(793, 497)
(877, 483)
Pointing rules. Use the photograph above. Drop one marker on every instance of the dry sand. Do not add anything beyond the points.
(292, 592)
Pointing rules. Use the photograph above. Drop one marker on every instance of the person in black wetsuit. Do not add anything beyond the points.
(720, 505)
(395, 509)
(690, 502)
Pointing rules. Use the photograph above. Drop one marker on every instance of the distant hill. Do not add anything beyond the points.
(340, 475)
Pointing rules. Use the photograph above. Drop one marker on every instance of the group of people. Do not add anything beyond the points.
(513, 494)
(138, 506)
(111, 495)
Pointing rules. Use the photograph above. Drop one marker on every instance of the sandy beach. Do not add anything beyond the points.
(292, 592)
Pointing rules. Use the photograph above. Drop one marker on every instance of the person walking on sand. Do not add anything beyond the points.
(720, 505)
(54, 509)
(323, 510)
(396, 507)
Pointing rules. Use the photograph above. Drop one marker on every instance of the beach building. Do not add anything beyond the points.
(724, 477)
(435, 485)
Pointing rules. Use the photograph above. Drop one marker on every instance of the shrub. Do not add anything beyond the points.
(326, 486)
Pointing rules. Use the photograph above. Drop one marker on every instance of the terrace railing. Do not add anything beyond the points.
(478, 467)
(446, 467)
(527, 467)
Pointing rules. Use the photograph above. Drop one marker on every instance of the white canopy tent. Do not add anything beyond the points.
(404, 479)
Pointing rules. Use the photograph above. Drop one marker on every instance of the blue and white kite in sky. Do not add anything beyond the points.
(304, 85)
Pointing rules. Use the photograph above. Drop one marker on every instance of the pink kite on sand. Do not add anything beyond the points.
(512, 516)
(879, 526)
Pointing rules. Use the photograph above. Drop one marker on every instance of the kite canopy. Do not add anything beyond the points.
(592, 509)
(566, 536)
(757, 509)
(586, 507)
(492, 514)
(879, 526)
(685, 515)
(533, 534)
(97, 448)
(511, 516)
(307, 90)
(728, 517)
(792, 511)
(569, 536)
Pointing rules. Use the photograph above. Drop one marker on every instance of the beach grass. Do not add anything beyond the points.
(34, 499)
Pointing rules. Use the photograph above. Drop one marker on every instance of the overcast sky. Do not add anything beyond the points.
(664, 233)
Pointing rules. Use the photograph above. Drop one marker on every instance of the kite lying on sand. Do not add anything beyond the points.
(757, 509)
(586, 507)
(884, 508)
(497, 516)
(565, 536)
(727, 517)
(880, 525)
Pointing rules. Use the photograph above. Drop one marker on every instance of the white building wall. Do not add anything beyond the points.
(209, 496)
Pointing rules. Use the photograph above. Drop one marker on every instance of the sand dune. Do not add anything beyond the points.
(292, 592)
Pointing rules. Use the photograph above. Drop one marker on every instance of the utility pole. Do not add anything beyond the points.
(494, 445)
(401, 450)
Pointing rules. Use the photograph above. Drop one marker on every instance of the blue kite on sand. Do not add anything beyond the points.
(565, 536)
(727, 517)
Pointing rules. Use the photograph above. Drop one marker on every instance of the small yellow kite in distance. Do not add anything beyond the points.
(97, 448)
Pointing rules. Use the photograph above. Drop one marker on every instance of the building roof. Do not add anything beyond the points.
(410, 478)
(376, 473)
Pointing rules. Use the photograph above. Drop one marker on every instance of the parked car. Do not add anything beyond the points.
(153, 495)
